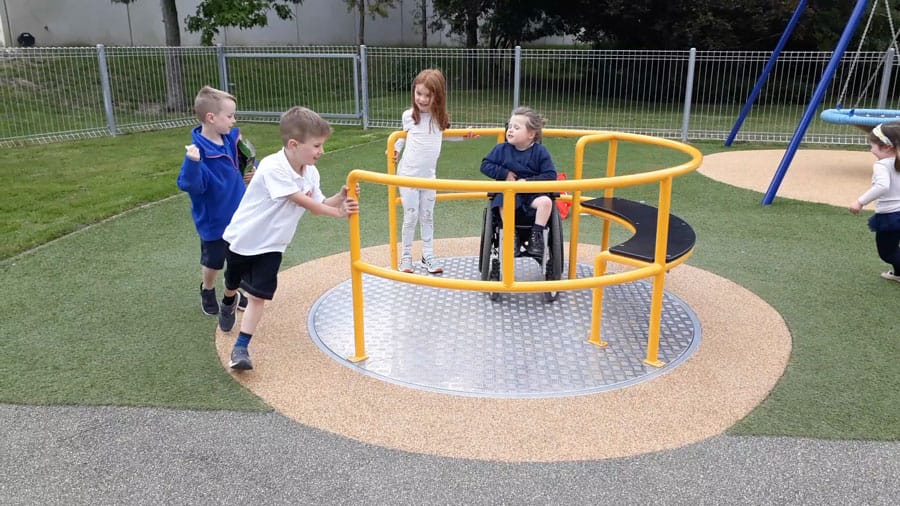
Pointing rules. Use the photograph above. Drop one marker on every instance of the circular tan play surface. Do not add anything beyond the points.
(744, 349)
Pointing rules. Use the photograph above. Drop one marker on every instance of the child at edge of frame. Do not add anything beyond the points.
(523, 158)
(885, 191)
(285, 186)
(214, 180)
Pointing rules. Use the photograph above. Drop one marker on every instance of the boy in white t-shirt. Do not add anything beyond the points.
(285, 185)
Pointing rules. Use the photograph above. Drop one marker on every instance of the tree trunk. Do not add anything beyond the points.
(361, 6)
(472, 29)
(424, 23)
(175, 100)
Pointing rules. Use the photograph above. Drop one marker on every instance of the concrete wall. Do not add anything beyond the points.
(91, 22)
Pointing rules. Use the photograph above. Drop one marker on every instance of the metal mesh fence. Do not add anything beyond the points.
(51, 94)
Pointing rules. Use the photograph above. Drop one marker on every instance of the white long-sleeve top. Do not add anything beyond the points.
(421, 148)
(885, 187)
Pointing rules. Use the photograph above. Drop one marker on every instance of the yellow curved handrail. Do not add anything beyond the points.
(464, 189)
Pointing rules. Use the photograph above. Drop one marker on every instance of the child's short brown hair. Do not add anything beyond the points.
(299, 123)
(533, 121)
(209, 100)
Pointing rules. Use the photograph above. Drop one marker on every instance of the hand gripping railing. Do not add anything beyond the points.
(576, 187)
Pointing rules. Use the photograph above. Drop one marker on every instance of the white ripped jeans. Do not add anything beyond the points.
(418, 207)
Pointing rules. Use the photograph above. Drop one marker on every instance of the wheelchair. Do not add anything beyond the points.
(492, 237)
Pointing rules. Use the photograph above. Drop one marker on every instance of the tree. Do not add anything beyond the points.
(500, 23)
(127, 13)
(214, 14)
(510, 23)
(460, 17)
(674, 24)
(372, 8)
(424, 23)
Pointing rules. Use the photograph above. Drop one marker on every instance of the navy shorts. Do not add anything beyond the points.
(256, 274)
(212, 254)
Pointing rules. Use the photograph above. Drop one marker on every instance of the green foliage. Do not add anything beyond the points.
(211, 15)
(374, 8)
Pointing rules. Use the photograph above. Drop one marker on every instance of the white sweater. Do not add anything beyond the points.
(885, 187)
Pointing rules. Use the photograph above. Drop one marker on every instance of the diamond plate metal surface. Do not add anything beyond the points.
(462, 343)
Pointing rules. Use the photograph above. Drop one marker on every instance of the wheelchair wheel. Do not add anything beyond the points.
(489, 259)
(554, 266)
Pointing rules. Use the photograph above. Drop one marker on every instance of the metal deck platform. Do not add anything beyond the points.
(462, 343)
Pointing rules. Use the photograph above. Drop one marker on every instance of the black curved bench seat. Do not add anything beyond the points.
(643, 217)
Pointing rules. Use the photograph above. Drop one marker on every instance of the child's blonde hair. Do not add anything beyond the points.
(209, 100)
(533, 121)
(299, 123)
(433, 80)
(886, 135)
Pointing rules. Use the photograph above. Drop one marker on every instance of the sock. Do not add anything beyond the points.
(228, 301)
(539, 229)
(243, 340)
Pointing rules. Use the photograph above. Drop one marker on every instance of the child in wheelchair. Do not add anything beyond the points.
(523, 158)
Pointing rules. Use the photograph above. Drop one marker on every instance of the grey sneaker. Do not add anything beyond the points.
(208, 302)
(240, 359)
(406, 264)
(432, 264)
(226, 316)
(242, 301)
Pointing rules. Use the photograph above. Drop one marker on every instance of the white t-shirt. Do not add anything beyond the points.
(885, 187)
(266, 220)
(421, 148)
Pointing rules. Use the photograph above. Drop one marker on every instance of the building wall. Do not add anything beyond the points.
(91, 22)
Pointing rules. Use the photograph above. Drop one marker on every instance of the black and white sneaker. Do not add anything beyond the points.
(208, 302)
(242, 301)
(240, 359)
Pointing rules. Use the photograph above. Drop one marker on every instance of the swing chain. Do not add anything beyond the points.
(893, 44)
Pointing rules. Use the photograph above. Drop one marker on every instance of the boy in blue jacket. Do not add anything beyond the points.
(523, 157)
(211, 175)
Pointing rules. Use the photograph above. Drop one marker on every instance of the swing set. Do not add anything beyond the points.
(865, 119)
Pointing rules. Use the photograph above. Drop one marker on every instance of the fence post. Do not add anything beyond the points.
(517, 75)
(364, 86)
(886, 78)
(688, 95)
(107, 93)
(223, 68)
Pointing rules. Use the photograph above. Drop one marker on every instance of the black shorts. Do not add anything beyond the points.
(256, 275)
(212, 254)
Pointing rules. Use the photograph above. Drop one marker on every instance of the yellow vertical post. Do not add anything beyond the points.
(578, 169)
(659, 280)
(509, 237)
(392, 197)
(356, 278)
(611, 156)
(597, 304)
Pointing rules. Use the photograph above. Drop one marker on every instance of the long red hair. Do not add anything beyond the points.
(433, 80)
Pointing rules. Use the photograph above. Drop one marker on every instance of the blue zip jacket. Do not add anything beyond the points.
(214, 183)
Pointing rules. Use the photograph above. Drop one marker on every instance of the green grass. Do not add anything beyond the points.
(108, 316)
(52, 190)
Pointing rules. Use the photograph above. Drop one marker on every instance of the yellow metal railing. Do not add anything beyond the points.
(576, 187)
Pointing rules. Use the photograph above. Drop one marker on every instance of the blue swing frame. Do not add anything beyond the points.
(817, 96)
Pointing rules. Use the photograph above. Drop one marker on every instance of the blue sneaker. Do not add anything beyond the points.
(240, 359)
(226, 316)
